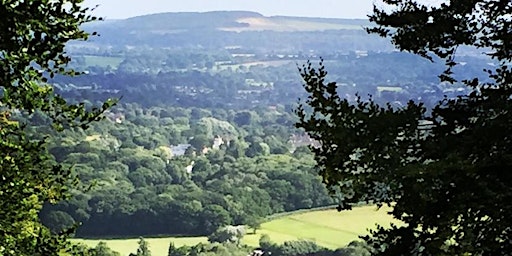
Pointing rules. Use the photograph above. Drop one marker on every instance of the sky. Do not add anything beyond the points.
(119, 9)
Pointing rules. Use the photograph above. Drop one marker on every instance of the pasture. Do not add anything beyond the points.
(328, 228)
(102, 61)
(158, 246)
(287, 24)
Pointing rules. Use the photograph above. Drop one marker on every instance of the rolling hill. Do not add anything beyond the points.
(217, 30)
(228, 21)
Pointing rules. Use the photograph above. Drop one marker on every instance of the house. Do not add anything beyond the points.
(179, 149)
(190, 167)
(217, 142)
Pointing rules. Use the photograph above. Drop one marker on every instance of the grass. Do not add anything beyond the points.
(158, 246)
(288, 24)
(102, 61)
(328, 228)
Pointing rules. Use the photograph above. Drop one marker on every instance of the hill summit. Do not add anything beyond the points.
(237, 21)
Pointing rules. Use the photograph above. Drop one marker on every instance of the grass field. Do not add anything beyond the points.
(287, 24)
(102, 61)
(158, 246)
(328, 228)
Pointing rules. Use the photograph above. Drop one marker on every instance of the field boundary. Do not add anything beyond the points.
(284, 214)
(320, 208)
(265, 219)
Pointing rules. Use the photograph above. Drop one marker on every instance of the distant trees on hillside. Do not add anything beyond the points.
(137, 175)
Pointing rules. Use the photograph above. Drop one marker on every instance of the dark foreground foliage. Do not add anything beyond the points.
(32, 39)
(445, 170)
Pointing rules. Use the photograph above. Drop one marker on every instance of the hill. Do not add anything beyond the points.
(221, 29)
(162, 23)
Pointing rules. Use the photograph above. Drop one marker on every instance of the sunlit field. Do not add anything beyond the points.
(158, 246)
(102, 61)
(328, 228)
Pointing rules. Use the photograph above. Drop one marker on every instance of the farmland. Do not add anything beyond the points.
(327, 228)
(158, 246)
(102, 61)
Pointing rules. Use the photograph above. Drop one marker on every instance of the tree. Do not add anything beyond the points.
(58, 221)
(265, 242)
(33, 35)
(227, 234)
(102, 249)
(354, 248)
(214, 217)
(199, 142)
(446, 170)
(176, 251)
(143, 249)
(243, 118)
(254, 223)
(300, 247)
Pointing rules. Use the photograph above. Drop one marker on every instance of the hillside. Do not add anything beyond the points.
(228, 21)
(250, 30)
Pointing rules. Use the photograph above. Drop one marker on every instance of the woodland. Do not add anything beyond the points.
(193, 129)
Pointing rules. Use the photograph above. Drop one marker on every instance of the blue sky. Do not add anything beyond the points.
(116, 9)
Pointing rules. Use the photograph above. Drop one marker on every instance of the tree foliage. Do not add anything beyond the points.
(227, 234)
(445, 170)
(143, 249)
(33, 35)
(172, 194)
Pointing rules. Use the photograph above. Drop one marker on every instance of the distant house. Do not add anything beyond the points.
(388, 89)
(190, 167)
(115, 117)
(258, 252)
(179, 149)
(360, 54)
(298, 140)
(217, 142)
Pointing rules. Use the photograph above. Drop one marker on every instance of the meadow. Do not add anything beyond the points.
(102, 61)
(158, 246)
(328, 228)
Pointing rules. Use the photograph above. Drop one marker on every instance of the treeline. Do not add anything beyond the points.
(167, 170)
(266, 248)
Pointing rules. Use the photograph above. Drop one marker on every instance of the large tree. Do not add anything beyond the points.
(33, 34)
(447, 171)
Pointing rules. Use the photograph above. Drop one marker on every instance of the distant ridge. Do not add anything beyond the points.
(187, 20)
(236, 21)
(249, 31)
(235, 14)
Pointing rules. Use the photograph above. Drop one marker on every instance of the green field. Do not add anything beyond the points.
(102, 61)
(288, 24)
(158, 246)
(328, 228)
